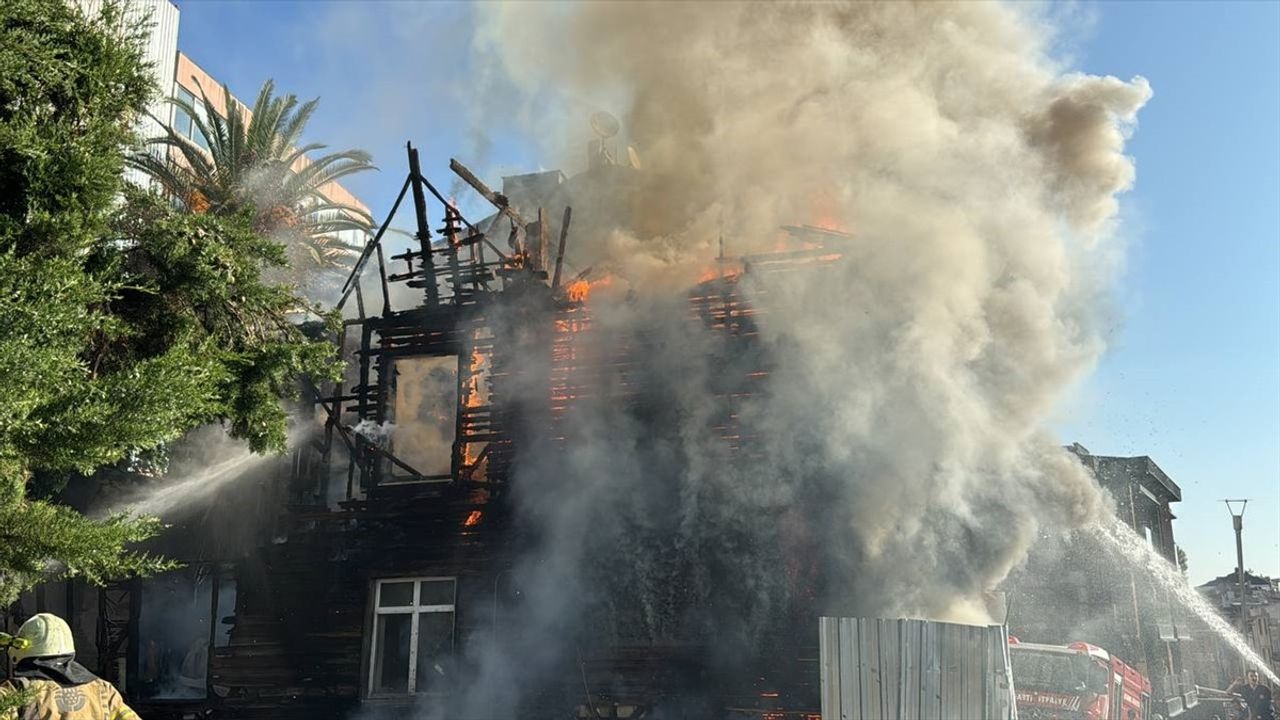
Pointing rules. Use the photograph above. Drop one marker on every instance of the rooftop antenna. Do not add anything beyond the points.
(604, 126)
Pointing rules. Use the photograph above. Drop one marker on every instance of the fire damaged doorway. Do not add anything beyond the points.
(178, 622)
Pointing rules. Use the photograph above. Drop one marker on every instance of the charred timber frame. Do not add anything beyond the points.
(453, 324)
(300, 638)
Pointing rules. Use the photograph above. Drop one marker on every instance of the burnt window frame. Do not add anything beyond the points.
(413, 610)
(389, 478)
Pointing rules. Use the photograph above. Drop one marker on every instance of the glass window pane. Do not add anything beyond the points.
(436, 592)
(391, 654)
(396, 594)
(181, 122)
(435, 640)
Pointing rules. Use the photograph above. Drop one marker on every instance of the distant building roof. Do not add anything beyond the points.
(1231, 580)
(1140, 469)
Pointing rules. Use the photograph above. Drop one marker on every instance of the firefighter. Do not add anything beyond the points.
(44, 654)
(1256, 696)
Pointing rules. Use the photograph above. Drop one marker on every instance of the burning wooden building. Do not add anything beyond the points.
(389, 571)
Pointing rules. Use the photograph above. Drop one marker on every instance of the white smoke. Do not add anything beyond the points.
(980, 185)
(909, 383)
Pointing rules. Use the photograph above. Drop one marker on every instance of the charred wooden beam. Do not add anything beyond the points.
(498, 200)
(564, 236)
(424, 231)
(382, 275)
(354, 277)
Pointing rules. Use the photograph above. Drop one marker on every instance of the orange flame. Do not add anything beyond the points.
(473, 519)
(719, 271)
(473, 379)
(580, 290)
(827, 212)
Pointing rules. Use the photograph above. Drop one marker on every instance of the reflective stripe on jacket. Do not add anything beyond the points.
(96, 700)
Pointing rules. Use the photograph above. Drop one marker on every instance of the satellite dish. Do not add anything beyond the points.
(604, 124)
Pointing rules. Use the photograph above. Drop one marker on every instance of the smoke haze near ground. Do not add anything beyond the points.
(909, 383)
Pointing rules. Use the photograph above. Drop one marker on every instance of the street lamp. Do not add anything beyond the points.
(1237, 521)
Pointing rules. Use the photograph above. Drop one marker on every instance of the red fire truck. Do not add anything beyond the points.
(1076, 682)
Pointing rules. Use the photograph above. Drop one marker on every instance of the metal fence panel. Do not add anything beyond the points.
(888, 669)
(931, 688)
(850, 705)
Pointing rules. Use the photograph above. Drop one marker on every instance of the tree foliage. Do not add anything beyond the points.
(256, 159)
(124, 322)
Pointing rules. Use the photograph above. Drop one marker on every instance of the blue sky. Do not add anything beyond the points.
(1192, 376)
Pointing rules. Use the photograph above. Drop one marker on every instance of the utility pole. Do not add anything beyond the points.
(1237, 521)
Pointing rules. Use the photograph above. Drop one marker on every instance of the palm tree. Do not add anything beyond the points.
(256, 162)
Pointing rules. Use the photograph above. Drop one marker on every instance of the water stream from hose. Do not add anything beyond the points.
(197, 487)
(1139, 553)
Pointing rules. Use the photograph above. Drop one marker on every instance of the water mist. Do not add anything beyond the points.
(1138, 553)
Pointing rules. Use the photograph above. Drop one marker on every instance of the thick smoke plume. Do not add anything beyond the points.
(909, 383)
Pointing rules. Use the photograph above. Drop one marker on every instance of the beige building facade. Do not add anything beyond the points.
(193, 84)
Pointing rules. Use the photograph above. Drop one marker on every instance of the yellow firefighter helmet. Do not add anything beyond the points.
(49, 636)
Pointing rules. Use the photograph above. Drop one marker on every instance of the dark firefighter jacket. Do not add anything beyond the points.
(1259, 701)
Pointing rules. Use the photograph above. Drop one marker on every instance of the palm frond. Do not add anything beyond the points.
(257, 159)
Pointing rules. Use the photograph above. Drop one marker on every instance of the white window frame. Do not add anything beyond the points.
(413, 611)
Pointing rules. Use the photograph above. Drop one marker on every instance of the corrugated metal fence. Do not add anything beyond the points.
(875, 669)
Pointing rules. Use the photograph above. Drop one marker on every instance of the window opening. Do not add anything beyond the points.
(173, 634)
(412, 635)
(181, 120)
(425, 418)
(475, 418)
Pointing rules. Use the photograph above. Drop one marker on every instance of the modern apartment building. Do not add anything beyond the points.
(153, 638)
(179, 76)
(193, 84)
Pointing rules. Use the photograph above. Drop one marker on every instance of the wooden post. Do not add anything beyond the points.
(451, 223)
(538, 242)
(564, 235)
(382, 275)
(424, 232)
